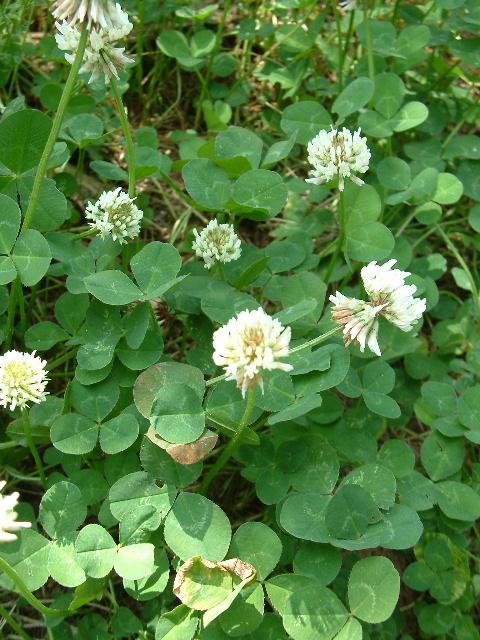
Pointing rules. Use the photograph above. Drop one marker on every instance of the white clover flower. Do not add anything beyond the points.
(338, 153)
(115, 214)
(102, 57)
(23, 379)
(348, 5)
(248, 344)
(217, 242)
(389, 297)
(386, 288)
(102, 13)
(359, 320)
(8, 516)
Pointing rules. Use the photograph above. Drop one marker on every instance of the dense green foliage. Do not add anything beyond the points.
(353, 497)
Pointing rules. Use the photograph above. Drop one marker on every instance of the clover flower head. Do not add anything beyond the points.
(115, 214)
(101, 13)
(23, 379)
(359, 321)
(8, 516)
(338, 153)
(389, 297)
(248, 344)
(386, 288)
(216, 242)
(102, 58)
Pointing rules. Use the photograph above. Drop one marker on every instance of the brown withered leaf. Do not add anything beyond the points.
(186, 453)
(244, 570)
(201, 584)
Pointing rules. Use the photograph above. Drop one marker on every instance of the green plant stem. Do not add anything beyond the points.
(212, 381)
(443, 75)
(127, 134)
(140, 37)
(205, 81)
(471, 111)
(368, 38)
(54, 131)
(80, 161)
(26, 593)
(84, 234)
(62, 359)
(111, 593)
(9, 444)
(339, 44)
(405, 224)
(176, 102)
(31, 445)
(340, 239)
(21, 307)
(13, 624)
(233, 445)
(396, 9)
(15, 291)
(177, 190)
(314, 341)
(464, 266)
(347, 41)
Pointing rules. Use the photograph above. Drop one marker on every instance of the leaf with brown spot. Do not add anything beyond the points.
(186, 453)
(244, 570)
(201, 584)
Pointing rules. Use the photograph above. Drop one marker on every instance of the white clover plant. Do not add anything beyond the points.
(239, 320)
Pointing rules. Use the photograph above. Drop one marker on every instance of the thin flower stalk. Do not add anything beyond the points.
(55, 130)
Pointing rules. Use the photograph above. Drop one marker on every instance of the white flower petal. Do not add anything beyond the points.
(359, 320)
(386, 286)
(8, 516)
(348, 5)
(101, 13)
